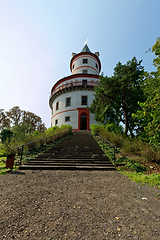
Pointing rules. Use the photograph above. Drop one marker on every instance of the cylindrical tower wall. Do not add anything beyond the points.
(85, 64)
(63, 114)
(71, 95)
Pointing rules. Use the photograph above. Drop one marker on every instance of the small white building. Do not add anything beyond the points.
(71, 95)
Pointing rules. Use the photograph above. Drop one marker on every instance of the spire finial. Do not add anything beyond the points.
(86, 41)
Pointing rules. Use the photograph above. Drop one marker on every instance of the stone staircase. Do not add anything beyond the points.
(79, 152)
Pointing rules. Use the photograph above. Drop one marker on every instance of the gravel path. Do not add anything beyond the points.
(77, 205)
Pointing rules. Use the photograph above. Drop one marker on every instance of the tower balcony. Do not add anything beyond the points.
(73, 86)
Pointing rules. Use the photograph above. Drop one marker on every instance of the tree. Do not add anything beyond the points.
(149, 114)
(14, 114)
(4, 120)
(33, 121)
(156, 50)
(116, 97)
(5, 134)
(21, 121)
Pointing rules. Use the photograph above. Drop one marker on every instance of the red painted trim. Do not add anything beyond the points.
(87, 67)
(78, 129)
(84, 57)
(82, 111)
(83, 54)
(63, 112)
(78, 75)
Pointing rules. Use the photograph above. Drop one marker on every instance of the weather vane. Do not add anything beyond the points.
(86, 41)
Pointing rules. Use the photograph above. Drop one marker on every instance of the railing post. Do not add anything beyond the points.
(114, 159)
(103, 144)
(21, 156)
(44, 140)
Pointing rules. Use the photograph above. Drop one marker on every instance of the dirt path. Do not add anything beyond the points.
(77, 205)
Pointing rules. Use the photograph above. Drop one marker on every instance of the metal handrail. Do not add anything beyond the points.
(115, 148)
(44, 140)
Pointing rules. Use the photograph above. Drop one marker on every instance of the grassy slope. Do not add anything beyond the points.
(26, 157)
(132, 162)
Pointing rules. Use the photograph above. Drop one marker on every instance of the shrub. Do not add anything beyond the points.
(11, 145)
(5, 134)
(129, 146)
(96, 127)
(115, 139)
(151, 154)
(132, 145)
(130, 164)
(114, 128)
(65, 127)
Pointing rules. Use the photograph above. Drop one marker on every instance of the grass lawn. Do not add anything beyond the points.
(151, 179)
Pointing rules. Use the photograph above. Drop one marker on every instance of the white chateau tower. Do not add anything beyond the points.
(71, 95)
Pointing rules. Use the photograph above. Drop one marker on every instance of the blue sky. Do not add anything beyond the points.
(37, 38)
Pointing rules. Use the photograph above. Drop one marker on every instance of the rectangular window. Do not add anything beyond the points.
(73, 66)
(85, 60)
(68, 101)
(67, 119)
(83, 100)
(96, 65)
(56, 121)
(84, 82)
(57, 105)
(85, 71)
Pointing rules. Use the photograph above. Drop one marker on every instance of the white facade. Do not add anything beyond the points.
(71, 95)
(91, 66)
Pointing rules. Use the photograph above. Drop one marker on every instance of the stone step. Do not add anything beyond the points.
(73, 151)
(79, 152)
(69, 164)
(73, 157)
(69, 161)
(73, 167)
(60, 153)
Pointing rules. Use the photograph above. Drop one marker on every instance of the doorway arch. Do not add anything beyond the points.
(83, 125)
(83, 119)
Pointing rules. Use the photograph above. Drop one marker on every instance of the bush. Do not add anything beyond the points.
(96, 127)
(11, 145)
(151, 154)
(51, 129)
(130, 164)
(132, 145)
(65, 127)
(5, 134)
(114, 128)
(115, 139)
(129, 146)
